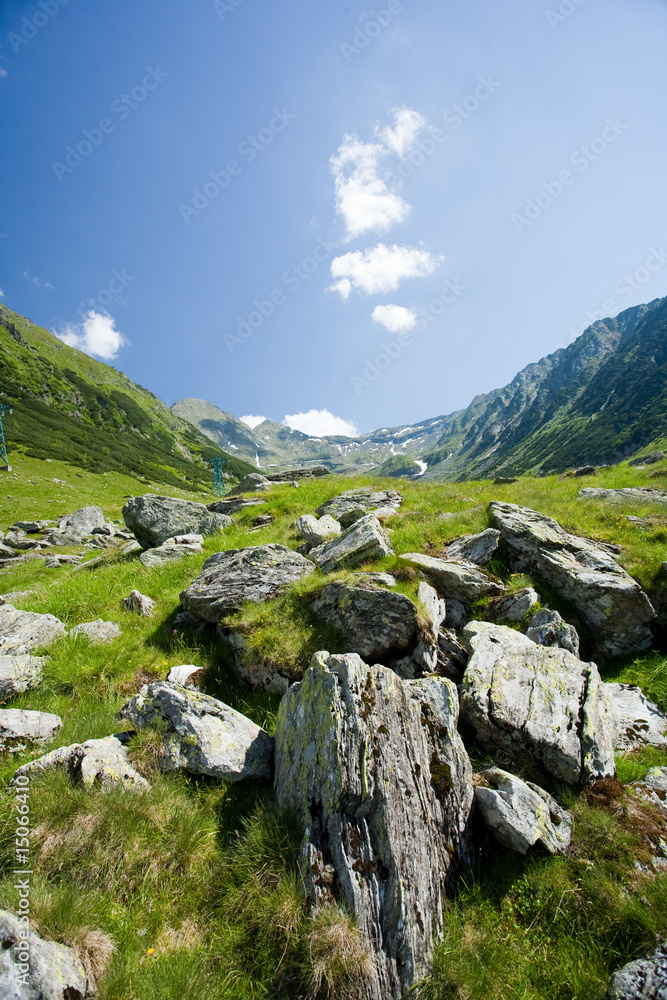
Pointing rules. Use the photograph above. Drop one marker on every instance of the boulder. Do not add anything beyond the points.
(32, 527)
(374, 771)
(144, 606)
(452, 655)
(584, 470)
(309, 472)
(547, 628)
(316, 532)
(19, 540)
(434, 607)
(638, 720)
(476, 549)
(171, 550)
(7, 552)
(513, 607)
(463, 582)
(19, 674)
(261, 675)
(22, 632)
(20, 728)
(611, 603)
(351, 505)
(201, 735)
(186, 675)
(82, 521)
(383, 579)
(154, 519)
(641, 494)
(15, 595)
(32, 968)
(374, 622)
(539, 700)
(55, 562)
(645, 979)
(655, 456)
(366, 540)
(256, 573)
(102, 763)
(252, 483)
(98, 631)
(522, 814)
(233, 506)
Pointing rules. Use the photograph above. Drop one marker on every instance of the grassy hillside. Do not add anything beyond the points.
(70, 407)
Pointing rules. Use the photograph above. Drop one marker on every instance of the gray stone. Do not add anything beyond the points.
(522, 814)
(83, 521)
(257, 674)
(20, 727)
(19, 674)
(103, 763)
(457, 615)
(15, 595)
(7, 552)
(144, 606)
(463, 582)
(476, 549)
(374, 622)
(18, 540)
(611, 603)
(50, 971)
(434, 606)
(22, 632)
(97, 631)
(364, 541)
(645, 979)
(316, 532)
(655, 456)
(584, 470)
(376, 774)
(309, 472)
(641, 494)
(131, 547)
(233, 506)
(186, 675)
(351, 505)
(452, 655)
(547, 628)
(540, 700)
(513, 607)
(201, 734)
(252, 483)
(55, 562)
(638, 720)
(172, 549)
(154, 519)
(382, 579)
(33, 527)
(653, 787)
(256, 573)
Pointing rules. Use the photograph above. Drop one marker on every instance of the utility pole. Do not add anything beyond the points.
(218, 478)
(4, 460)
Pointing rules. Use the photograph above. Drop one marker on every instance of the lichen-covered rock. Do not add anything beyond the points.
(547, 628)
(374, 622)
(316, 532)
(542, 701)
(256, 573)
(172, 549)
(154, 519)
(452, 655)
(611, 603)
(144, 606)
(638, 720)
(645, 979)
(19, 674)
(201, 734)
(377, 775)
(351, 505)
(513, 607)
(365, 540)
(463, 582)
(478, 549)
(640, 494)
(83, 520)
(22, 632)
(32, 968)
(20, 727)
(96, 762)
(98, 631)
(522, 814)
(434, 606)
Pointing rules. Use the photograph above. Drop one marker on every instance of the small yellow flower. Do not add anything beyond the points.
(150, 951)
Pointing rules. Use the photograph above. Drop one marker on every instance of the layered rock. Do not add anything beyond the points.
(365, 540)
(513, 607)
(22, 632)
(154, 519)
(19, 674)
(32, 968)
(478, 549)
(374, 622)
(171, 550)
(351, 505)
(103, 763)
(547, 628)
(521, 814)
(20, 727)
(463, 582)
(637, 720)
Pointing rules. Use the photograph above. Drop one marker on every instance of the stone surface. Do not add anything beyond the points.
(19, 674)
(365, 540)
(383, 579)
(172, 549)
(316, 532)
(186, 675)
(522, 814)
(201, 734)
(638, 720)
(254, 482)
(256, 573)
(55, 562)
(463, 582)
(49, 971)
(584, 470)
(513, 607)
(96, 762)
(19, 540)
(547, 628)
(308, 472)
(611, 603)
(645, 979)
(374, 770)
(22, 632)
(15, 595)
(655, 456)
(434, 606)
(476, 549)
(653, 788)
(542, 701)
(83, 521)
(144, 606)
(20, 727)
(98, 631)
(457, 615)
(257, 674)
(154, 519)
(349, 506)
(624, 494)
(233, 506)
(452, 655)
(374, 622)
(32, 527)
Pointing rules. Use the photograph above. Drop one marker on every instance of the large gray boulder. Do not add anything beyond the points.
(103, 763)
(201, 734)
(645, 979)
(366, 540)
(547, 628)
(349, 506)
(522, 814)
(20, 728)
(83, 521)
(626, 494)
(612, 604)
(542, 701)
(19, 674)
(638, 720)
(22, 632)
(254, 482)
(32, 968)
(377, 776)
(228, 579)
(478, 549)
(463, 582)
(154, 519)
(172, 550)
(374, 622)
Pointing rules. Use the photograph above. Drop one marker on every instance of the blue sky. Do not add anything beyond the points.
(374, 211)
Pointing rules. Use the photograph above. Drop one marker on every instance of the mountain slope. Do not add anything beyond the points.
(68, 406)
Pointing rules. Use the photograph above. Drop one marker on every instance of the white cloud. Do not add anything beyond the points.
(379, 270)
(251, 421)
(3, 72)
(363, 196)
(35, 281)
(95, 335)
(320, 423)
(2, 294)
(396, 319)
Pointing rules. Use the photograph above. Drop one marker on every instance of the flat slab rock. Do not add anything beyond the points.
(638, 720)
(233, 506)
(172, 549)
(521, 814)
(98, 631)
(349, 506)
(201, 734)
(625, 493)
(539, 700)
(154, 519)
(463, 582)
(478, 549)
(19, 674)
(365, 540)
(611, 603)
(645, 979)
(20, 727)
(374, 622)
(50, 971)
(316, 531)
(256, 573)
(22, 632)
(375, 772)
(103, 763)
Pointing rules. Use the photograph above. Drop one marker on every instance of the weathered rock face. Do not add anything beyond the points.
(96, 762)
(374, 622)
(23, 631)
(365, 540)
(172, 549)
(19, 674)
(547, 628)
(463, 582)
(55, 562)
(375, 771)
(154, 519)
(233, 506)
(252, 483)
(452, 656)
(653, 788)
(84, 520)
(309, 472)
(638, 720)
(655, 456)
(613, 604)
(20, 727)
(513, 607)
(476, 549)
(624, 494)
(349, 506)
(522, 814)
(98, 631)
(541, 700)
(316, 532)
(645, 979)
(256, 573)
(53, 970)
(201, 734)
(257, 674)
(138, 602)
(435, 608)
(186, 675)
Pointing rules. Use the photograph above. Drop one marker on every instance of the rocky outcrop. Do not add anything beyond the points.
(513, 607)
(645, 979)
(98, 631)
(233, 506)
(154, 519)
(351, 505)
(542, 701)
(637, 720)
(20, 728)
(365, 540)
(478, 549)
(256, 573)
(375, 772)
(96, 762)
(463, 582)
(316, 532)
(624, 494)
(655, 456)
(201, 735)
(374, 622)
(19, 674)
(144, 606)
(547, 628)
(171, 550)
(32, 968)
(522, 814)
(611, 603)
(22, 632)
